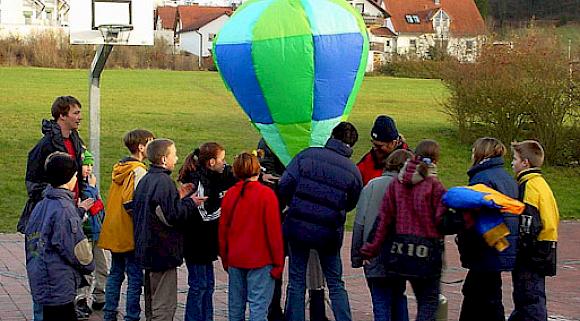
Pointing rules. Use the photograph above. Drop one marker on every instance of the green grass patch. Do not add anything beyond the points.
(194, 107)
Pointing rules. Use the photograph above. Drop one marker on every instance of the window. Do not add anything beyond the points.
(469, 45)
(360, 7)
(211, 36)
(413, 42)
(388, 43)
(27, 17)
(412, 19)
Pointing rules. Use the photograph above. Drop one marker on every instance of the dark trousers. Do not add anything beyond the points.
(427, 295)
(65, 312)
(482, 297)
(275, 309)
(529, 296)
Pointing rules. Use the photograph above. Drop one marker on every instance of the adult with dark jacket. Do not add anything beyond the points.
(385, 139)
(211, 177)
(60, 134)
(320, 185)
(482, 294)
(159, 210)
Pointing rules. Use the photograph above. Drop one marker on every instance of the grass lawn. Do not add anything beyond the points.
(194, 107)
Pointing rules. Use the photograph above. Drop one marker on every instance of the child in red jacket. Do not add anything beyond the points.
(250, 241)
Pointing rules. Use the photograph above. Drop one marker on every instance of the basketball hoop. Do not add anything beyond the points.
(115, 33)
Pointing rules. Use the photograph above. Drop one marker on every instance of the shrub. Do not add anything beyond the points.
(52, 49)
(517, 92)
(412, 67)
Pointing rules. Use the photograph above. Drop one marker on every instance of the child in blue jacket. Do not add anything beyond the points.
(57, 250)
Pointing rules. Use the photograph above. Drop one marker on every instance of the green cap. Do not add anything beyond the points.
(88, 158)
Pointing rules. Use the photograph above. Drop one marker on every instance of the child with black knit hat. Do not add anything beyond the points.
(57, 250)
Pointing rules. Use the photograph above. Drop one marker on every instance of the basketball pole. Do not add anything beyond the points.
(97, 67)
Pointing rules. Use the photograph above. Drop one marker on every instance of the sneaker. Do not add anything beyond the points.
(82, 315)
(97, 306)
(82, 310)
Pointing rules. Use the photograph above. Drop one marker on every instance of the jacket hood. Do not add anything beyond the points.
(411, 174)
(339, 147)
(53, 193)
(51, 129)
(486, 163)
(124, 168)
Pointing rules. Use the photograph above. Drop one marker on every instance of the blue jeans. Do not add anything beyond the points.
(253, 286)
(201, 283)
(331, 267)
(37, 311)
(122, 263)
(389, 299)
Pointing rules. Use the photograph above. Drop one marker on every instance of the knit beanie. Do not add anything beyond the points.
(384, 129)
(88, 158)
(59, 168)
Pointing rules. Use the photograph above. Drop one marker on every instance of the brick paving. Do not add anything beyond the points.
(563, 291)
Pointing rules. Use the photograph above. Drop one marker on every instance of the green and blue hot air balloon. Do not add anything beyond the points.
(294, 66)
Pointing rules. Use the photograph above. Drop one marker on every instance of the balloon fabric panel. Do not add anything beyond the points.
(328, 18)
(285, 70)
(239, 30)
(282, 19)
(240, 77)
(335, 72)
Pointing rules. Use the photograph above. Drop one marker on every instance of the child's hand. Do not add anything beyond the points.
(198, 200)
(86, 204)
(92, 180)
(269, 178)
(185, 189)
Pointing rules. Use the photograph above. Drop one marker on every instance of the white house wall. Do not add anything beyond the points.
(190, 41)
(23, 17)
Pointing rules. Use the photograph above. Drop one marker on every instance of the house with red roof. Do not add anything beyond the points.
(419, 27)
(194, 27)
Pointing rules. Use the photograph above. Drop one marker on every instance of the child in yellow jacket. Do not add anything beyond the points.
(536, 256)
(117, 231)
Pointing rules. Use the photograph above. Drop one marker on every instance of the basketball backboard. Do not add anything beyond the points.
(118, 22)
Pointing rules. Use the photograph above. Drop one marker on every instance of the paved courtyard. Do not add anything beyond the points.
(563, 291)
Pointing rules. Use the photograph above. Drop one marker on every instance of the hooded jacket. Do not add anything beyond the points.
(413, 203)
(57, 251)
(36, 182)
(117, 231)
(474, 252)
(367, 211)
(320, 185)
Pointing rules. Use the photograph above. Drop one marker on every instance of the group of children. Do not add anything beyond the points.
(401, 215)
(151, 226)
